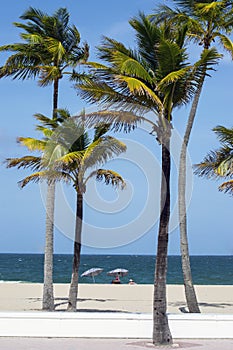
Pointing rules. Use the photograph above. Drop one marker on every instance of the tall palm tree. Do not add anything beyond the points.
(69, 155)
(207, 21)
(154, 78)
(218, 164)
(78, 165)
(49, 48)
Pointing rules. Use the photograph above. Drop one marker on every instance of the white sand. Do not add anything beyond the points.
(104, 297)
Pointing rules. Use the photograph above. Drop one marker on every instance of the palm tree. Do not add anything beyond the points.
(50, 46)
(206, 21)
(78, 166)
(156, 78)
(218, 164)
(69, 155)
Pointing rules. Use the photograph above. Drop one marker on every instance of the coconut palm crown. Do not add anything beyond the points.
(49, 46)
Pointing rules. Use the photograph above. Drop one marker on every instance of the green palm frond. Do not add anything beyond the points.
(48, 74)
(216, 164)
(226, 43)
(131, 67)
(100, 130)
(21, 66)
(69, 159)
(148, 37)
(209, 58)
(47, 133)
(173, 77)
(109, 177)
(56, 49)
(137, 87)
(46, 121)
(224, 135)
(100, 151)
(225, 169)
(219, 163)
(32, 38)
(208, 9)
(32, 144)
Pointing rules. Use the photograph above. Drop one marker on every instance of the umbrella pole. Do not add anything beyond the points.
(93, 277)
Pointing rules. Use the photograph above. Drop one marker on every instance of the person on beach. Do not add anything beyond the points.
(131, 281)
(116, 280)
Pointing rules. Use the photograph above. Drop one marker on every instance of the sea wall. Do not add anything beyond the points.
(111, 325)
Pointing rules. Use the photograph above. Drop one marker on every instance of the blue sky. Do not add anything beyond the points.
(115, 222)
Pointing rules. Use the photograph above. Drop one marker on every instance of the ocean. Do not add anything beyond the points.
(209, 270)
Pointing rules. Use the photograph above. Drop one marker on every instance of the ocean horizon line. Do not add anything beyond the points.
(112, 254)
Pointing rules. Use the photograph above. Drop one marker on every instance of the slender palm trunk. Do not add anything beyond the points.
(48, 298)
(55, 97)
(161, 331)
(190, 294)
(73, 292)
(48, 293)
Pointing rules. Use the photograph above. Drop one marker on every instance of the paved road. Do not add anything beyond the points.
(109, 344)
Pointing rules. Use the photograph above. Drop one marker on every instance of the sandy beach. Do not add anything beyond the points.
(114, 298)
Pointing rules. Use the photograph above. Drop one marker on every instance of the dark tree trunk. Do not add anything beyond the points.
(190, 294)
(73, 292)
(55, 97)
(161, 331)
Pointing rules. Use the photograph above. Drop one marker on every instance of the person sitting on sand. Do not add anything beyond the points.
(131, 281)
(116, 280)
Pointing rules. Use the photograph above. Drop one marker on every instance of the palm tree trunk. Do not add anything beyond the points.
(190, 294)
(48, 296)
(73, 292)
(55, 97)
(161, 331)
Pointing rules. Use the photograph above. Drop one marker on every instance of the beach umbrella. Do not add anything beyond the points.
(94, 271)
(118, 272)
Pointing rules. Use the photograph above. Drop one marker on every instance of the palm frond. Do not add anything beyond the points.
(100, 130)
(137, 87)
(227, 187)
(46, 121)
(216, 164)
(224, 135)
(26, 162)
(32, 144)
(100, 151)
(120, 120)
(226, 43)
(69, 159)
(48, 74)
(48, 176)
(173, 77)
(109, 177)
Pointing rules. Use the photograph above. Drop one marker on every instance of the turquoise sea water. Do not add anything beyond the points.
(215, 270)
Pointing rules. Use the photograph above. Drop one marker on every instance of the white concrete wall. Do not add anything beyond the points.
(110, 325)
